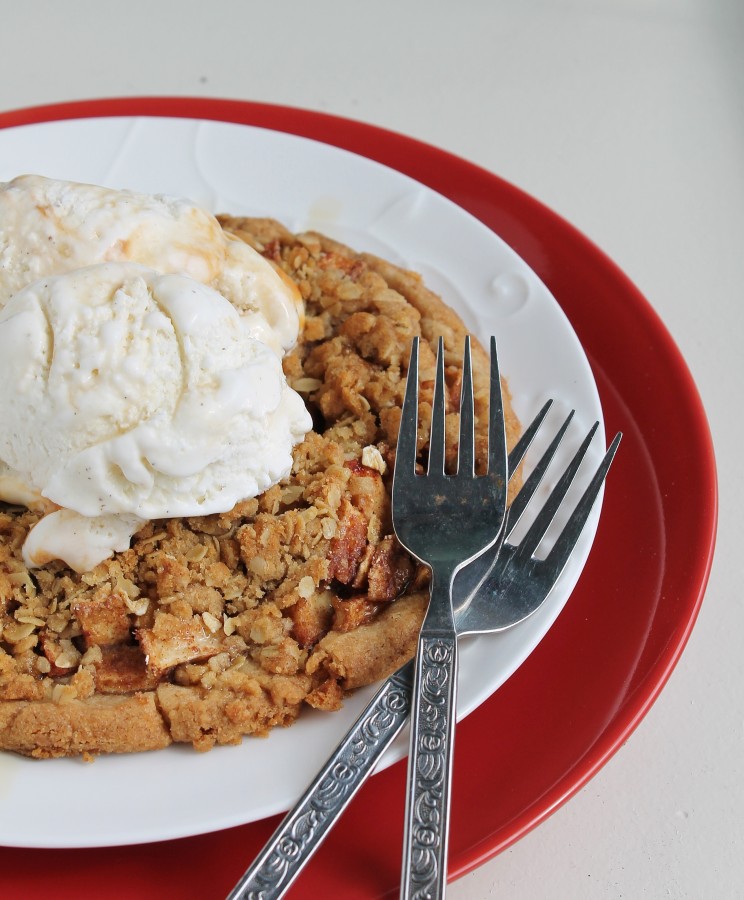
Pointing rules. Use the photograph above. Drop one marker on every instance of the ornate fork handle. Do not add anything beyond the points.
(430, 766)
(302, 831)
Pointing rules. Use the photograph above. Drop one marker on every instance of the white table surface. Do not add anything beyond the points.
(627, 118)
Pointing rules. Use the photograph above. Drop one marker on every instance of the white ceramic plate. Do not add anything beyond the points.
(251, 171)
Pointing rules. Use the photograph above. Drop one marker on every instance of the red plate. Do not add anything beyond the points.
(611, 650)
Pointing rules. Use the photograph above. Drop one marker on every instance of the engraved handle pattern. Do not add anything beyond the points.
(424, 875)
(303, 829)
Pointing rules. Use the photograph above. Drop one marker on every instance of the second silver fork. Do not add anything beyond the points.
(445, 521)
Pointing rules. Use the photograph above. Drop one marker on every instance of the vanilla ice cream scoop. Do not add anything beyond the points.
(48, 227)
(129, 395)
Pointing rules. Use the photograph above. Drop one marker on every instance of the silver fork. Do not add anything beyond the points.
(445, 521)
(477, 593)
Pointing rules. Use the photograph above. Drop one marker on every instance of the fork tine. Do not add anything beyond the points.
(497, 460)
(561, 550)
(405, 453)
(523, 444)
(528, 544)
(471, 577)
(466, 448)
(436, 437)
(519, 503)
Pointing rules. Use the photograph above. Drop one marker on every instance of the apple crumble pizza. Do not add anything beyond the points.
(209, 628)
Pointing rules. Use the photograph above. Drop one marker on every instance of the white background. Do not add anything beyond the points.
(627, 118)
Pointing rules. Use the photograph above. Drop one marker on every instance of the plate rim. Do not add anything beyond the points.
(309, 123)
